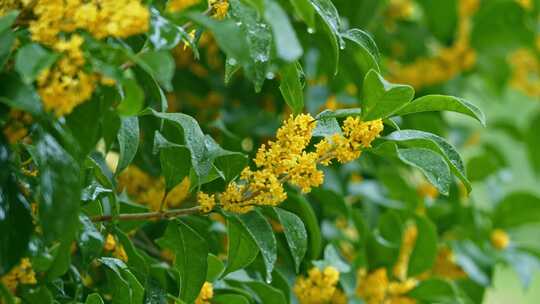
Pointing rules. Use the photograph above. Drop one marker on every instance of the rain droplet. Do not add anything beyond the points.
(270, 75)
(232, 61)
(310, 30)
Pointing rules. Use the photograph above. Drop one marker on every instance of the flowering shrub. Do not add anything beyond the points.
(263, 151)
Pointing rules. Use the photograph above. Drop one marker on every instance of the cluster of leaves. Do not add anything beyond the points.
(182, 109)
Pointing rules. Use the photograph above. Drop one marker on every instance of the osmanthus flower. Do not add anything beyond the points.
(500, 239)
(180, 5)
(68, 83)
(286, 160)
(407, 245)
(206, 294)
(150, 191)
(445, 265)
(20, 274)
(117, 250)
(318, 287)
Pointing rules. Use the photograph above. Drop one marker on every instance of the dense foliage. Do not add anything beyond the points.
(267, 151)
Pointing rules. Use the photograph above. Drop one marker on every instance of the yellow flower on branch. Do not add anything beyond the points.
(286, 160)
(407, 245)
(219, 8)
(206, 294)
(318, 287)
(20, 274)
(180, 5)
(500, 239)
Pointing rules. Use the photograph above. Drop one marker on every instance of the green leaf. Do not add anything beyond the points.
(381, 98)
(15, 211)
(257, 4)
(128, 140)
(332, 258)
(367, 55)
(191, 252)
(159, 64)
(59, 189)
(425, 250)
(215, 268)
(437, 144)
(266, 293)
(430, 103)
(434, 291)
(228, 36)
(126, 288)
(291, 87)
(89, 240)
(19, 95)
(331, 24)
(230, 299)
(31, 59)
(193, 136)
(305, 10)
(287, 45)
(132, 98)
(94, 298)
(37, 295)
(7, 20)
(228, 163)
(136, 261)
(326, 127)
(432, 165)
(175, 160)
(164, 35)
(261, 231)
(61, 262)
(242, 247)
(339, 113)
(532, 141)
(301, 207)
(7, 39)
(516, 209)
(295, 234)
(442, 18)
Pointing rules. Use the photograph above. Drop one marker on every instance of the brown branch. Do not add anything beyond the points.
(168, 214)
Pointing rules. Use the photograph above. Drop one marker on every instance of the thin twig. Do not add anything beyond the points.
(168, 214)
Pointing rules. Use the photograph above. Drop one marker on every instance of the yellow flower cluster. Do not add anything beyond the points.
(285, 160)
(150, 191)
(407, 245)
(180, 5)
(219, 8)
(66, 84)
(445, 265)
(102, 18)
(318, 287)
(206, 294)
(525, 72)
(16, 127)
(207, 202)
(20, 274)
(399, 9)
(376, 288)
(526, 4)
(500, 239)
(111, 245)
(447, 61)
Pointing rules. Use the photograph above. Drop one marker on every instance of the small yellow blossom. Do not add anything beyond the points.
(207, 202)
(407, 245)
(206, 294)
(147, 190)
(180, 5)
(376, 288)
(526, 4)
(319, 287)
(219, 8)
(500, 239)
(446, 62)
(15, 128)
(445, 265)
(20, 274)
(120, 253)
(525, 75)
(110, 243)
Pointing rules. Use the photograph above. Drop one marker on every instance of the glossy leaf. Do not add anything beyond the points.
(128, 140)
(295, 234)
(287, 45)
(160, 65)
(31, 60)
(261, 231)
(242, 247)
(381, 98)
(191, 252)
(331, 24)
(18, 95)
(291, 87)
(429, 103)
